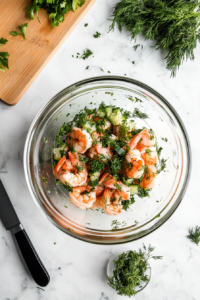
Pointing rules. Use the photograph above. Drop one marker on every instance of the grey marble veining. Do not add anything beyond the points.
(78, 269)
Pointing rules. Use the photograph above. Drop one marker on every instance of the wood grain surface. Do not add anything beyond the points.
(29, 57)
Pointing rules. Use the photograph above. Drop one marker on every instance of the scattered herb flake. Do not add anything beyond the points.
(86, 54)
(97, 35)
(40, 288)
(44, 180)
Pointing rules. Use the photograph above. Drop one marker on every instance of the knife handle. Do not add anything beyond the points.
(31, 257)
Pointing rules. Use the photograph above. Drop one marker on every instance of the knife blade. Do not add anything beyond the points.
(12, 223)
(7, 212)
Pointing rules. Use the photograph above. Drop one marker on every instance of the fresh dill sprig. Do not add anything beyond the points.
(194, 235)
(174, 25)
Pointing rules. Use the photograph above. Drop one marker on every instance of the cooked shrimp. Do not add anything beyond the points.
(104, 154)
(97, 150)
(97, 203)
(92, 152)
(59, 165)
(135, 170)
(122, 190)
(100, 188)
(106, 125)
(150, 157)
(111, 207)
(74, 173)
(79, 139)
(142, 141)
(149, 178)
(81, 200)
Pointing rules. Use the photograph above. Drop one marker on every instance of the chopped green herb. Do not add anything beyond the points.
(118, 186)
(165, 139)
(56, 9)
(87, 68)
(97, 35)
(68, 187)
(115, 224)
(66, 206)
(158, 216)
(109, 72)
(68, 115)
(162, 165)
(45, 140)
(136, 46)
(148, 151)
(86, 24)
(139, 114)
(3, 56)
(194, 235)
(143, 192)
(44, 180)
(22, 28)
(127, 203)
(54, 243)
(40, 288)
(101, 69)
(133, 62)
(86, 54)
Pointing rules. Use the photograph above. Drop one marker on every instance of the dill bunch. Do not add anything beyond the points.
(173, 24)
(129, 271)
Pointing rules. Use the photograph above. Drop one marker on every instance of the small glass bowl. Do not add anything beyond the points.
(111, 268)
(146, 214)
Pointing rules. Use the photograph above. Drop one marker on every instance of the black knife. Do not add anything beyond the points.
(12, 223)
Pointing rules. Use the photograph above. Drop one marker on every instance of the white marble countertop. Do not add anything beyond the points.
(78, 269)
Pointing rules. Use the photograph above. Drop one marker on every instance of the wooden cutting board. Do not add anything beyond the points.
(29, 57)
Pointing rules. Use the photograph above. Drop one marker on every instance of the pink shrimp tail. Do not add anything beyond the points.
(135, 140)
(74, 158)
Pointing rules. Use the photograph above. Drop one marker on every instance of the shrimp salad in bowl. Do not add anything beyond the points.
(104, 160)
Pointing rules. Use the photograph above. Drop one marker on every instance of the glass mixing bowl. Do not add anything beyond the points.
(146, 214)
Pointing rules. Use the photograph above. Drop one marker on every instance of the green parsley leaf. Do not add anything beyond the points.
(22, 28)
(3, 56)
(15, 33)
(3, 41)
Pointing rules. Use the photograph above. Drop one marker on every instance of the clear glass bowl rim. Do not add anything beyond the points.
(72, 88)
